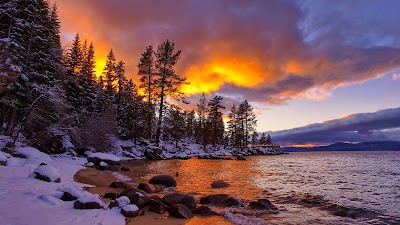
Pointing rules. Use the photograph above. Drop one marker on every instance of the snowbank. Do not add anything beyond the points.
(104, 156)
(34, 202)
(31, 152)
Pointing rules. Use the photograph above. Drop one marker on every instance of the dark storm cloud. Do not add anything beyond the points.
(377, 126)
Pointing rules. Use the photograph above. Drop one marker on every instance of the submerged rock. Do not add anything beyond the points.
(166, 180)
(215, 199)
(176, 198)
(262, 204)
(219, 184)
(111, 195)
(118, 184)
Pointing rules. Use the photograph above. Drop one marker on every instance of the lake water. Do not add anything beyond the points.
(363, 180)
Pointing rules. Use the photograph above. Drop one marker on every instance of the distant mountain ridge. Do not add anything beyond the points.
(342, 146)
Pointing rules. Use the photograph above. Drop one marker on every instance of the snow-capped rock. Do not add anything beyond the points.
(47, 173)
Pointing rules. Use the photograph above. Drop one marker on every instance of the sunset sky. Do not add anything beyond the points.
(297, 62)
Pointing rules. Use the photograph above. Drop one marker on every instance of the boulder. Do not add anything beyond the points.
(118, 184)
(180, 211)
(3, 159)
(155, 198)
(119, 202)
(139, 199)
(176, 198)
(130, 192)
(146, 188)
(166, 180)
(262, 204)
(97, 158)
(47, 173)
(130, 211)
(89, 201)
(233, 201)
(219, 184)
(91, 165)
(70, 194)
(111, 195)
(204, 210)
(153, 154)
(215, 199)
(173, 198)
(156, 206)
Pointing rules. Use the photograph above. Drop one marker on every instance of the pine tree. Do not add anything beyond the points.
(263, 139)
(254, 139)
(248, 122)
(215, 120)
(268, 141)
(175, 124)
(233, 126)
(190, 123)
(146, 71)
(167, 81)
(109, 75)
(202, 133)
(74, 58)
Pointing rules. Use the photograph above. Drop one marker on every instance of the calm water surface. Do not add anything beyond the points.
(366, 180)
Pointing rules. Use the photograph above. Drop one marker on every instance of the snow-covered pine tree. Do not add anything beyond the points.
(268, 141)
(32, 100)
(190, 122)
(174, 124)
(74, 57)
(263, 139)
(109, 75)
(130, 120)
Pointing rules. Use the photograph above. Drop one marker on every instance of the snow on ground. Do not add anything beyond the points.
(105, 156)
(26, 200)
(31, 152)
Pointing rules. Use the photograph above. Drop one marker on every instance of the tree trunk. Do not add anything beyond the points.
(149, 104)
(160, 116)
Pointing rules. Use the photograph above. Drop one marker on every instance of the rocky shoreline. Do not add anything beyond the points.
(157, 200)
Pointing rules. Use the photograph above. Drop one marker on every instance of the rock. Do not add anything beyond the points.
(130, 211)
(89, 164)
(119, 202)
(3, 159)
(118, 184)
(188, 201)
(204, 210)
(130, 192)
(171, 199)
(50, 143)
(215, 199)
(240, 157)
(176, 198)
(111, 195)
(146, 187)
(155, 198)
(47, 173)
(97, 158)
(180, 211)
(166, 180)
(139, 199)
(233, 201)
(219, 184)
(125, 168)
(262, 204)
(89, 201)
(70, 194)
(153, 154)
(81, 151)
(156, 206)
